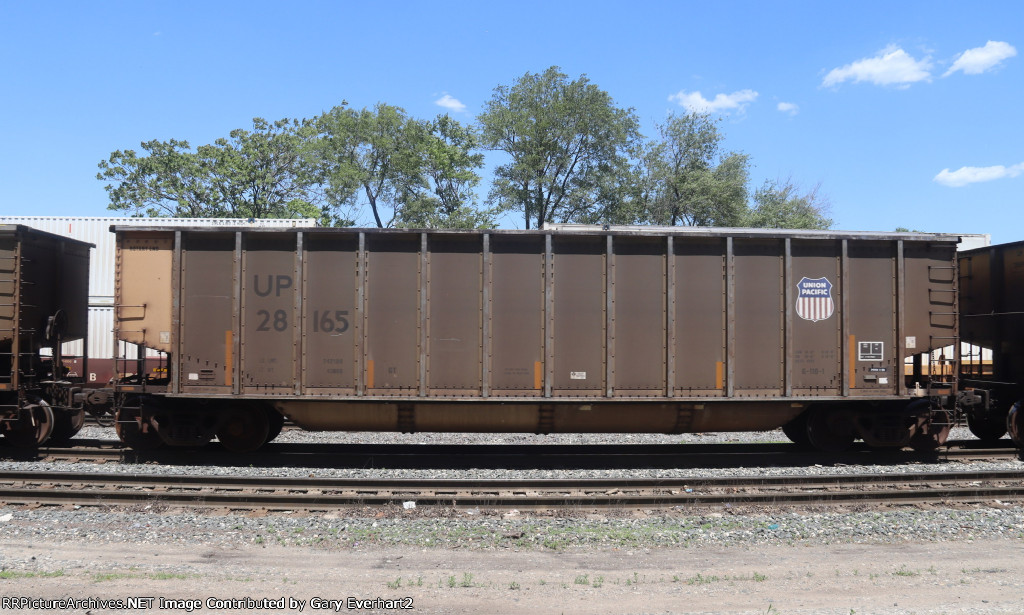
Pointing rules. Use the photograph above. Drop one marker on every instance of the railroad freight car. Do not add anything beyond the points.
(100, 351)
(992, 317)
(689, 330)
(43, 302)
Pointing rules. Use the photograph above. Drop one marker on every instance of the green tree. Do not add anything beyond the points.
(779, 204)
(263, 173)
(369, 156)
(252, 174)
(449, 162)
(566, 141)
(170, 180)
(685, 179)
(407, 172)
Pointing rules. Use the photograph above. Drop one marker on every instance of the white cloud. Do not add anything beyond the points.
(980, 59)
(891, 66)
(694, 102)
(450, 103)
(789, 108)
(973, 175)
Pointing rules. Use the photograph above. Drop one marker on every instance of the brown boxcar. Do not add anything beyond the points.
(44, 298)
(992, 316)
(687, 330)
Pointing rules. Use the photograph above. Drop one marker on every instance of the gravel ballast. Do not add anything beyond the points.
(484, 529)
(811, 560)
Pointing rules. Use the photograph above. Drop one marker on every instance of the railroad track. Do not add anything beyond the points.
(321, 494)
(517, 456)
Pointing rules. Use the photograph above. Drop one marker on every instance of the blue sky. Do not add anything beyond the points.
(907, 113)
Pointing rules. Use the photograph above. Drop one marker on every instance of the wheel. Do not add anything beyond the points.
(829, 430)
(133, 433)
(987, 428)
(243, 430)
(66, 424)
(932, 433)
(33, 428)
(796, 430)
(1015, 423)
(276, 422)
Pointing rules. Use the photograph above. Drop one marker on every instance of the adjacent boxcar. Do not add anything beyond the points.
(687, 330)
(43, 302)
(992, 316)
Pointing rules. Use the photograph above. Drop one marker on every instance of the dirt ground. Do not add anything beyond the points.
(942, 577)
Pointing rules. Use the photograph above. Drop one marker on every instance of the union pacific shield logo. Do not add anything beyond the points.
(814, 302)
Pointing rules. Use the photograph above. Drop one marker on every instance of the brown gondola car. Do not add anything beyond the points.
(665, 331)
(992, 316)
(43, 302)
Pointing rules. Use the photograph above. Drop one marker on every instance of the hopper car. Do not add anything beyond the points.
(992, 316)
(43, 302)
(608, 330)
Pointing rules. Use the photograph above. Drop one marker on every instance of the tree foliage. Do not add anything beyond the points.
(779, 204)
(404, 171)
(687, 180)
(251, 174)
(263, 173)
(565, 139)
(447, 197)
(368, 155)
(569, 155)
(408, 172)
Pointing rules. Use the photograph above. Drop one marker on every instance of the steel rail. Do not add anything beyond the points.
(596, 484)
(318, 453)
(96, 489)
